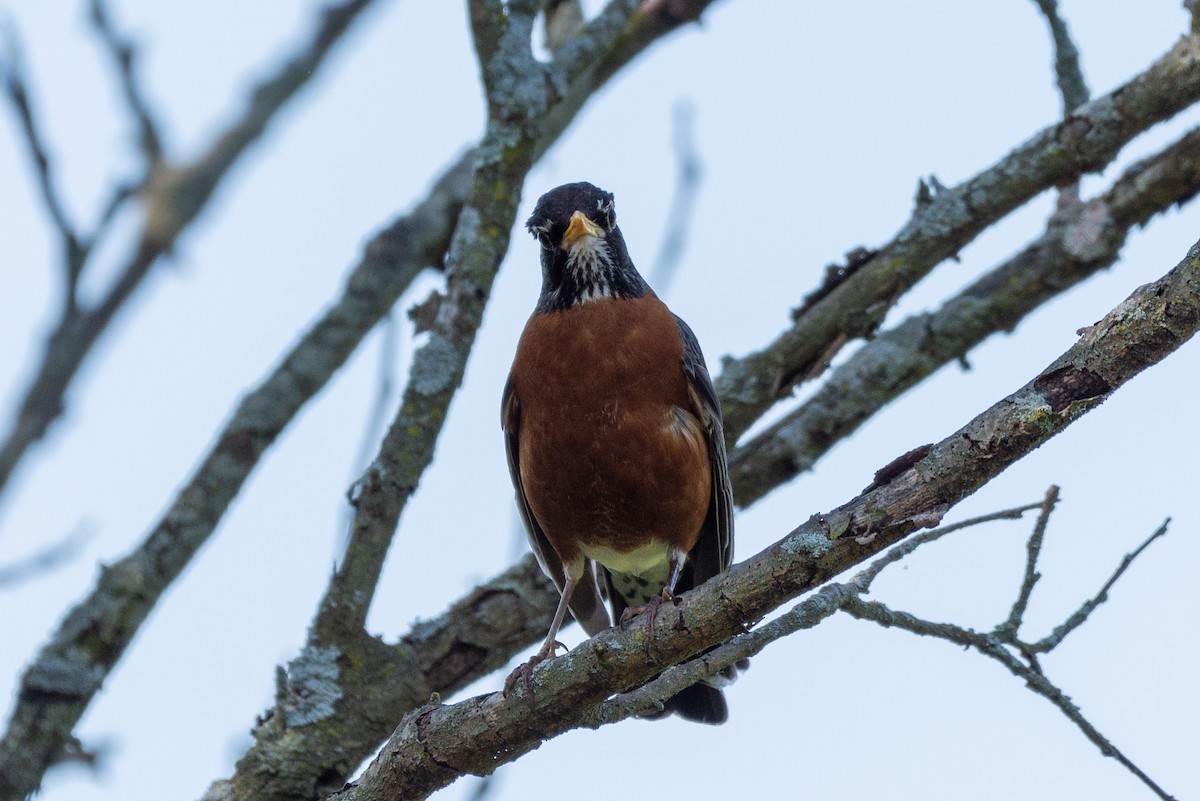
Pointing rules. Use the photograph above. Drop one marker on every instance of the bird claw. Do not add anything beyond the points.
(524, 671)
(652, 606)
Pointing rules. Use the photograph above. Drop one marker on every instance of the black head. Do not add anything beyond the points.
(583, 253)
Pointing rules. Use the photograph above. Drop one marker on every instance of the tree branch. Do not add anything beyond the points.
(1033, 551)
(12, 70)
(436, 744)
(1078, 241)
(1067, 71)
(1080, 615)
(45, 559)
(856, 305)
(123, 55)
(683, 200)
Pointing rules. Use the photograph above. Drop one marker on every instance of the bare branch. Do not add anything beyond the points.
(1084, 143)
(1066, 59)
(294, 759)
(689, 172)
(123, 55)
(990, 646)
(1006, 633)
(1080, 615)
(863, 580)
(16, 87)
(649, 698)
(1033, 551)
(44, 560)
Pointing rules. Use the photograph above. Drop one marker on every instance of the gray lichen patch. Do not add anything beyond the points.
(312, 686)
(435, 367)
(808, 541)
(947, 213)
(64, 676)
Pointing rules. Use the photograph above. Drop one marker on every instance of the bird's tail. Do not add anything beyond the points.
(699, 703)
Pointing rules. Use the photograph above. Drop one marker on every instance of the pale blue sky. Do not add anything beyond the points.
(814, 122)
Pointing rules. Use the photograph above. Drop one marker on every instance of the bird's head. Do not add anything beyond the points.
(584, 257)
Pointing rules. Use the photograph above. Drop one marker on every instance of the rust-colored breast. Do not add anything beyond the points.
(610, 451)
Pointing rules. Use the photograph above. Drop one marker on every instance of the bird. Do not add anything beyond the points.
(614, 437)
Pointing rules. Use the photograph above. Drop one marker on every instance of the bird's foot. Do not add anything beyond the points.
(652, 606)
(524, 671)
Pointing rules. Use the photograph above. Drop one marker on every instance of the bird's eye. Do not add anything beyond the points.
(605, 207)
(542, 234)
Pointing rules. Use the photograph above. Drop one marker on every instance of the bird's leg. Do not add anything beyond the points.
(524, 671)
(675, 560)
(674, 568)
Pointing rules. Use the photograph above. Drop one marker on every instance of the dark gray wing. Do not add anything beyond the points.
(586, 605)
(713, 552)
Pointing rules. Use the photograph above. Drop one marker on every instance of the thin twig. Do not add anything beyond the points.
(649, 698)
(377, 417)
(990, 646)
(689, 171)
(993, 644)
(44, 560)
(16, 88)
(1080, 615)
(1033, 551)
(1067, 70)
(123, 55)
(862, 581)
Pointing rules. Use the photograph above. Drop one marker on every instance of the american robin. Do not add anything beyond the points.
(614, 435)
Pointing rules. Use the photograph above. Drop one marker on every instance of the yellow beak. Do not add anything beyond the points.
(579, 226)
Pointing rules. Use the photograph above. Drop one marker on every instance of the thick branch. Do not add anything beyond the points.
(436, 744)
(302, 752)
(1083, 143)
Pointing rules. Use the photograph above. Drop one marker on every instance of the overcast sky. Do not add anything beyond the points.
(814, 122)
